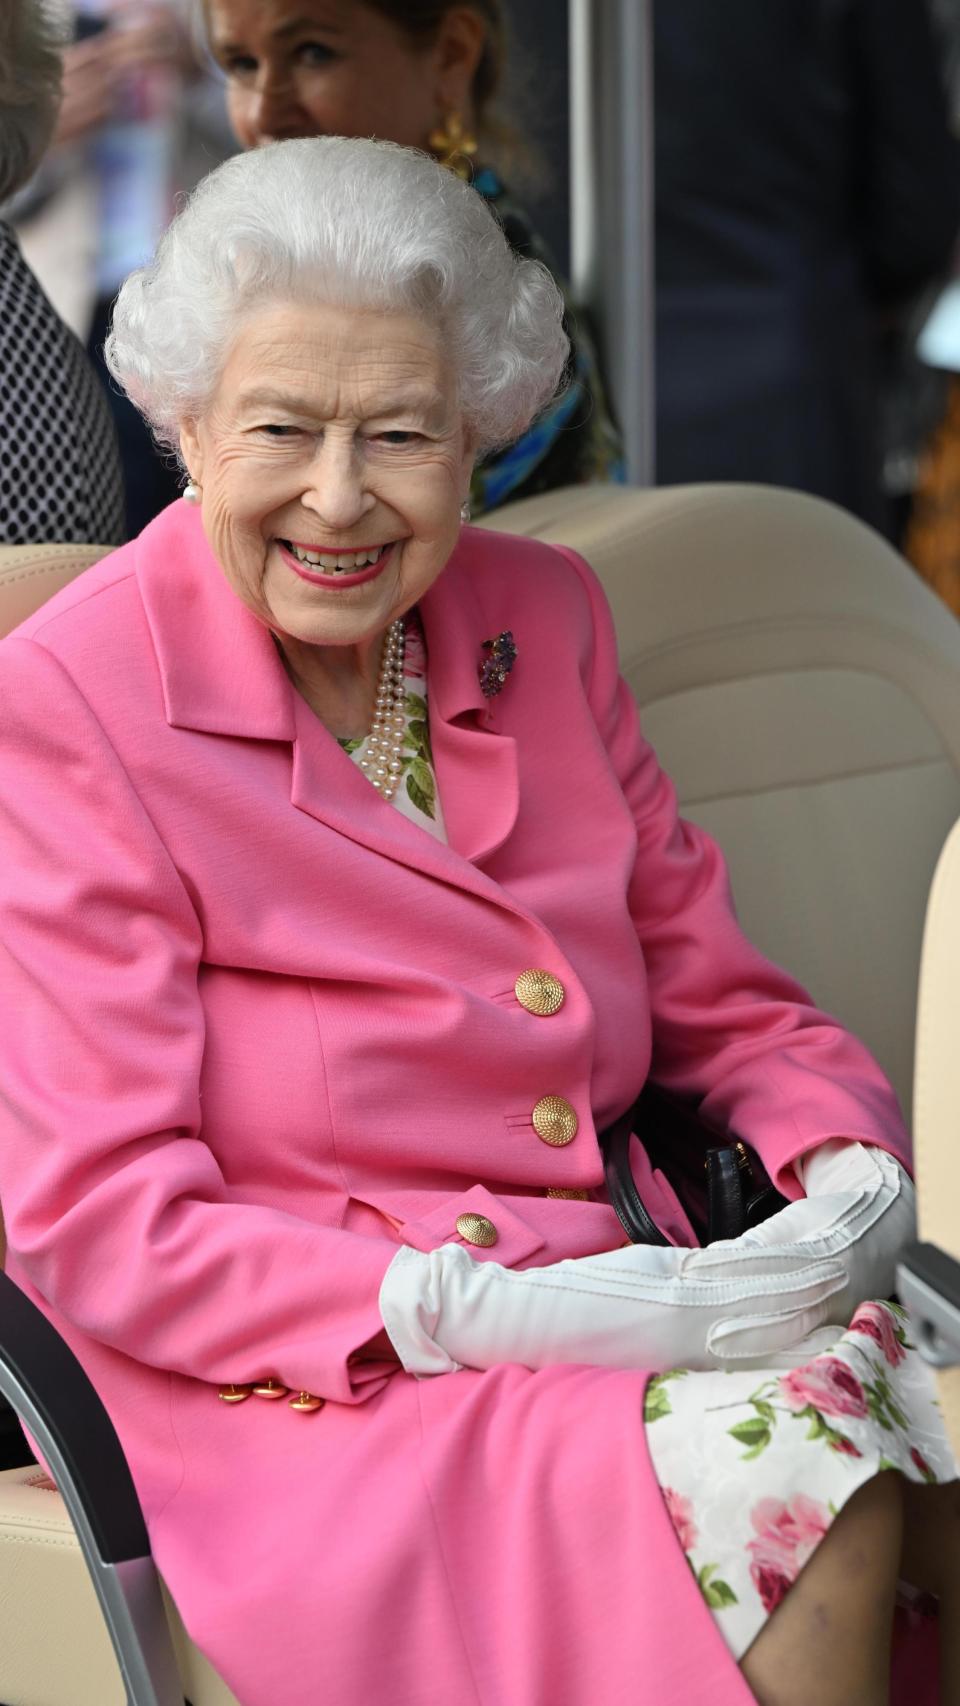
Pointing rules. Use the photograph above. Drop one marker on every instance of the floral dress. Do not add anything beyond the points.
(754, 1464)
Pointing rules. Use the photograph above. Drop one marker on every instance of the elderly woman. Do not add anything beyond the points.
(58, 451)
(341, 902)
(426, 73)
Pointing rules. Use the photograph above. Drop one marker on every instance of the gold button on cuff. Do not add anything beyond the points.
(554, 1121)
(477, 1229)
(539, 992)
(567, 1196)
(270, 1388)
(305, 1402)
(234, 1394)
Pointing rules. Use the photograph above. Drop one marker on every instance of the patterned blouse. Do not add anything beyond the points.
(59, 467)
(574, 441)
(417, 796)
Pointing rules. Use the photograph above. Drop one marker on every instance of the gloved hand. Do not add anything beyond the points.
(860, 1208)
(646, 1306)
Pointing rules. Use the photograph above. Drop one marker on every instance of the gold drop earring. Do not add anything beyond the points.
(454, 146)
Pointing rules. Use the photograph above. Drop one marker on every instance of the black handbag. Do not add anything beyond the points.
(720, 1181)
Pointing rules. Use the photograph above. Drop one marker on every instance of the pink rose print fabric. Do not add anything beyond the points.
(787, 1533)
(826, 1386)
(878, 1323)
(681, 1515)
(755, 1464)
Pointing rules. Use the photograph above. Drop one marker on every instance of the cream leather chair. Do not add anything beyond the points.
(30, 574)
(803, 688)
(930, 1275)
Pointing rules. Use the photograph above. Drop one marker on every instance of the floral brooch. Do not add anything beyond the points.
(501, 655)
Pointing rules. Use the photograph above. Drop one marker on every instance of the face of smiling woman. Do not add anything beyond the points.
(333, 434)
(340, 68)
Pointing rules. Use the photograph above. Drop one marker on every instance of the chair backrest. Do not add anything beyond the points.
(802, 687)
(30, 574)
(936, 1096)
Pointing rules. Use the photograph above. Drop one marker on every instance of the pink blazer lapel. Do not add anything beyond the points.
(221, 674)
(476, 765)
(326, 784)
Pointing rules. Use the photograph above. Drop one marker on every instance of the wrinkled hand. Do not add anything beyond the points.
(646, 1306)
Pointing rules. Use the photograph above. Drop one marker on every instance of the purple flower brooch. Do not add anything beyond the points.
(501, 655)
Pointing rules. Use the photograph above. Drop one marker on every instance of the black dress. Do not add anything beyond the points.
(59, 468)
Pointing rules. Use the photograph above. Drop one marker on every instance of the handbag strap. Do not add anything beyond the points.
(727, 1173)
(637, 1223)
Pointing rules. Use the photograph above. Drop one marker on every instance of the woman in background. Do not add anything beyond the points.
(59, 469)
(424, 73)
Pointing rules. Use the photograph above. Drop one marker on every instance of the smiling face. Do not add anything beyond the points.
(334, 434)
(339, 68)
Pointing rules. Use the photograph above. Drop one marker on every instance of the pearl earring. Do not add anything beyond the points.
(191, 493)
(465, 510)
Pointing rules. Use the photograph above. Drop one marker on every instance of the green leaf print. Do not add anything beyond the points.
(876, 1405)
(421, 773)
(896, 1414)
(414, 706)
(818, 1428)
(715, 1590)
(350, 746)
(423, 800)
(419, 735)
(656, 1402)
(753, 1433)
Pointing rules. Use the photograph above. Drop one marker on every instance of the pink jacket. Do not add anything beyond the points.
(259, 1027)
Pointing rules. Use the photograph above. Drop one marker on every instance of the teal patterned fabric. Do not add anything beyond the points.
(574, 441)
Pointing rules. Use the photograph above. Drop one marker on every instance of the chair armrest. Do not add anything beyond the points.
(928, 1281)
(42, 1379)
(52, 1395)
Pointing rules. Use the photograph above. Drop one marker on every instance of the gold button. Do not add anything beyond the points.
(269, 1388)
(539, 992)
(477, 1229)
(305, 1402)
(555, 1121)
(567, 1196)
(234, 1394)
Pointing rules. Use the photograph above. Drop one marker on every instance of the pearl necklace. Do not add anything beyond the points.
(380, 758)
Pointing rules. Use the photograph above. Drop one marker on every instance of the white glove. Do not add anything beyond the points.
(860, 1208)
(646, 1306)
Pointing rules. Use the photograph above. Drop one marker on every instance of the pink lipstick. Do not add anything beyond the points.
(317, 578)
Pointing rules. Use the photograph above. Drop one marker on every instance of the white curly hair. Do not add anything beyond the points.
(32, 36)
(354, 223)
